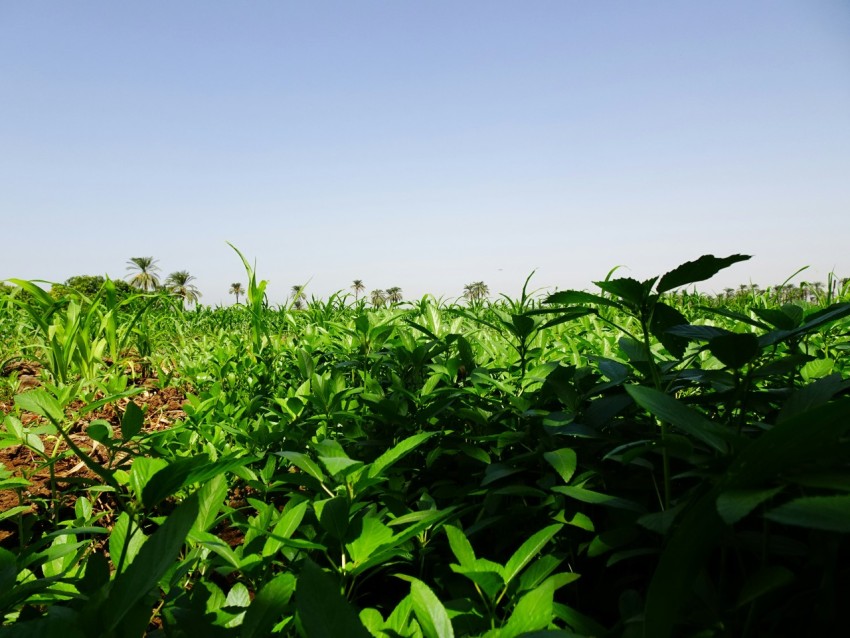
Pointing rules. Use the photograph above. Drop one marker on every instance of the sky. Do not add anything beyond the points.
(424, 145)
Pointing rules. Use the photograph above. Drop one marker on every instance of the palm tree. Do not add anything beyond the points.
(237, 289)
(180, 284)
(378, 298)
(394, 294)
(357, 287)
(298, 297)
(145, 276)
(476, 291)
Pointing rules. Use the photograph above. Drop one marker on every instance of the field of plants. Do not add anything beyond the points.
(634, 461)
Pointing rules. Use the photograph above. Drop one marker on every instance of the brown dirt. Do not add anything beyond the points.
(161, 407)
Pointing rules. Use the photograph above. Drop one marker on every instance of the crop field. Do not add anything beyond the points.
(633, 461)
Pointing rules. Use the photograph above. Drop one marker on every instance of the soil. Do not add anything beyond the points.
(161, 408)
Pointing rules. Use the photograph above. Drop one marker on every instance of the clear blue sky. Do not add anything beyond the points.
(424, 144)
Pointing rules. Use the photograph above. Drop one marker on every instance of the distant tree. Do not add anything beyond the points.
(89, 285)
(144, 274)
(394, 294)
(298, 297)
(237, 289)
(358, 287)
(180, 284)
(378, 298)
(476, 291)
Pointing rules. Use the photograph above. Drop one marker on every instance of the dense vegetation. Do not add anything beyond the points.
(631, 462)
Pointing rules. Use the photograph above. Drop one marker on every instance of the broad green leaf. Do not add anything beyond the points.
(460, 545)
(665, 317)
(817, 369)
(142, 470)
(681, 416)
(238, 596)
(533, 612)
(373, 535)
(778, 318)
(131, 422)
(698, 270)
(764, 581)
(120, 547)
(489, 576)
(627, 289)
(829, 513)
(271, 602)
(211, 497)
(735, 350)
(432, 616)
(339, 465)
(538, 571)
(100, 431)
(372, 621)
(803, 440)
(333, 516)
(399, 618)
(397, 452)
(96, 575)
(528, 550)
(64, 559)
(184, 472)
(38, 401)
(597, 498)
(285, 527)
(564, 461)
(811, 396)
(155, 557)
(733, 505)
(304, 463)
(323, 611)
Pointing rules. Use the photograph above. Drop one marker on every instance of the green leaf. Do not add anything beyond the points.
(39, 402)
(285, 527)
(489, 576)
(119, 544)
(679, 415)
(804, 440)
(764, 581)
(100, 431)
(183, 472)
(268, 606)
(157, 554)
(533, 612)
(817, 369)
(432, 616)
(629, 290)
(778, 318)
(333, 516)
(829, 513)
(131, 422)
(699, 270)
(323, 611)
(597, 498)
(304, 463)
(373, 535)
(735, 350)
(733, 505)
(528, 550)
(664, 318)
(564, 461)
(211, 497)
(811, 396)
(460, 545)
(395, 453)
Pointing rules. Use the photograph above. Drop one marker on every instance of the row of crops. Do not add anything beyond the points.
(628, 462)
